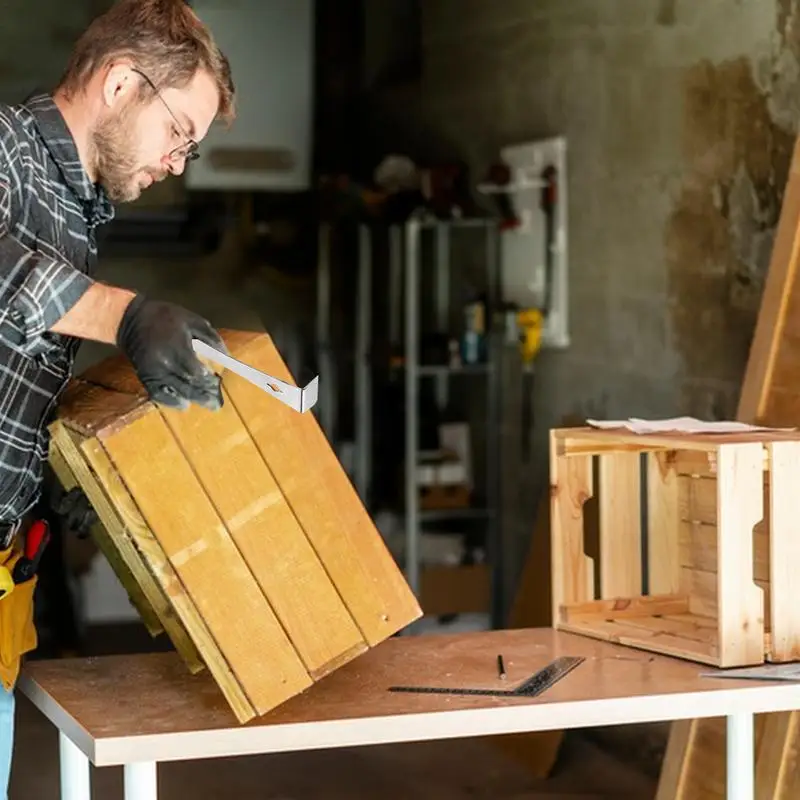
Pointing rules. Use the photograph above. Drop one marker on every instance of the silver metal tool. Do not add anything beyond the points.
(766, 672)
(293, 396)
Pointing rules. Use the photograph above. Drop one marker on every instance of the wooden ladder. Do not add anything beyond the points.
(694, 762)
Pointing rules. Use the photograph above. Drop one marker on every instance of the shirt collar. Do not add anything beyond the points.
(61, 144)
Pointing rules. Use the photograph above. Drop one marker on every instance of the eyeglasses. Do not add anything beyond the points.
(189, 150)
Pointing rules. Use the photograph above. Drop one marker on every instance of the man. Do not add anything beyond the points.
(143, 86)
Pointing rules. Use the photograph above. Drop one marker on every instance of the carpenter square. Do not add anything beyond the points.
(293, 396)
(535, 685)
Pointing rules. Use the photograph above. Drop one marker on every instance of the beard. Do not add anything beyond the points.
(116, 155)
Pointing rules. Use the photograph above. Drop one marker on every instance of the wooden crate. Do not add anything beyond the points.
(720, 543)
(236, 532)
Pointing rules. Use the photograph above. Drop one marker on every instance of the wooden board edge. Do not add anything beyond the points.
(105, 545)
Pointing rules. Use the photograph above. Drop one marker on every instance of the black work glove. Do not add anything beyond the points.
(70, 510)
(157, 338)
(76, 512)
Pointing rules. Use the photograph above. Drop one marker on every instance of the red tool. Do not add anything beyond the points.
(36, 540)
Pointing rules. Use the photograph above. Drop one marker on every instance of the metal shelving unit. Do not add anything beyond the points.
(405, 267)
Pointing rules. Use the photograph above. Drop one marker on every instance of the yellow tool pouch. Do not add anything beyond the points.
(17, 628)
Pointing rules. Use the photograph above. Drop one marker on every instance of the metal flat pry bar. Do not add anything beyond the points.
(293, 396)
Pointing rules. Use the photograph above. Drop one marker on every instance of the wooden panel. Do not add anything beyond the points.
(784, 551)
(257, 516)
(210, 567)
(697, 502)
(780, 292)
(620, 525)
(123, 569)
(698, 549)
(255, 550)
(662, 525)
(120, 502)
(740, 602)
(696, 749)
(573, 570)
(322, 498)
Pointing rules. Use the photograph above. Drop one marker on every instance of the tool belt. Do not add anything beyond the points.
(18, 579)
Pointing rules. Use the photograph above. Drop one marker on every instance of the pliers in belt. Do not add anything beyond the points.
(36, 540)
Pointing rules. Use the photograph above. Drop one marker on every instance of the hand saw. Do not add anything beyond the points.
(293, 396)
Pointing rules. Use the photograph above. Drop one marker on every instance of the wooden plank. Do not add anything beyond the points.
(620, 525)
(323, 499)
(697, 502)
(86, 408)
(701, 646)
(205, 558)
(572, 570)
(109, 550)
(740, 602)
(96, 484)
(784, 556)
(625, 608)
(662, 525)
(779, 290)
(267, 534)
(763, 401)
(120, 502)
(698, 550)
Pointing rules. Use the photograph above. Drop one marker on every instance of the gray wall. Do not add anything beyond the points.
(681, 116)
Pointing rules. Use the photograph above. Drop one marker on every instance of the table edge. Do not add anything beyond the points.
(419, 726)
(58, 716)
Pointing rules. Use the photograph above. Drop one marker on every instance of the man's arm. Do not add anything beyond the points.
(96, 315)
(39, 294)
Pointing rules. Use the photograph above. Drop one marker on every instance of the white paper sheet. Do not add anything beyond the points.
(679, 425)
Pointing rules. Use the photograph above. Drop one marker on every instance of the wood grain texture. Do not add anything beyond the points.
(769, 396)
(354, 707)
(260, 521)
(246, 528)
(620, 525)
(210, 567)
(784, 551)
(123, 569)
(572, 570)
(323, 499)
(773, 363)
(158, 564)
(662, 525)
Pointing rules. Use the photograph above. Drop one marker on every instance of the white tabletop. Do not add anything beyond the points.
(123, 709)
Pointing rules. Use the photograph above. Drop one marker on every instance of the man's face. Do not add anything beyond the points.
(133, 140)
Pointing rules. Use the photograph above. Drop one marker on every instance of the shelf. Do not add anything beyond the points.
(428, 370)
(433, 514)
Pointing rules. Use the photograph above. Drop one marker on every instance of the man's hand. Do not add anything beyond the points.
(157, 338)
(69, 509)
(76, 512)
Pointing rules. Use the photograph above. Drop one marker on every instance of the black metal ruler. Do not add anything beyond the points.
(535, 685)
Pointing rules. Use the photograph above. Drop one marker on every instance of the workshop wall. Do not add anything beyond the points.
(680, 118)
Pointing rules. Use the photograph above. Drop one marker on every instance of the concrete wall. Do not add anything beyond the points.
(680, 117)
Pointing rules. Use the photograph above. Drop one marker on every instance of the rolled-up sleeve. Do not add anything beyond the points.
(35, 290)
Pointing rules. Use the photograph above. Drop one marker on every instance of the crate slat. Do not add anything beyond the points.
(237, 532)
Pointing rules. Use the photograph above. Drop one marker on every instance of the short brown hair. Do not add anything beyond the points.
(165, 40)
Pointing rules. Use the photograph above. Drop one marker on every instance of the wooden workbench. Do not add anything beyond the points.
(139, 710)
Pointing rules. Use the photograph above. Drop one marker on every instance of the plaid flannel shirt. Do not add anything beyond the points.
(49, 212)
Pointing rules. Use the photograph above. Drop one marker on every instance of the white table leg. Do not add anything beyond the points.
(75, 775)
(141, 781)
(740, 757)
